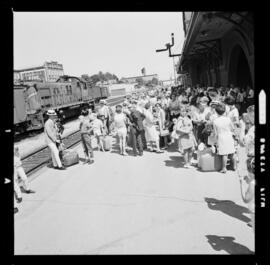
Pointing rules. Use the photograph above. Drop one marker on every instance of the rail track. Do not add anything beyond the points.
(42, 157)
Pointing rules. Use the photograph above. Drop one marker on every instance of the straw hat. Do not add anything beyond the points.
(204, 100)
(214, 103)
(51, 112)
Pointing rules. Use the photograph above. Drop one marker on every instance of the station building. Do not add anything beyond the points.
(16, 76)
(48, 72)
(218, 49)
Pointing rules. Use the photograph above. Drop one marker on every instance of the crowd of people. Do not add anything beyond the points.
(187, 119)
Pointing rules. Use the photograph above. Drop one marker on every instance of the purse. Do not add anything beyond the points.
(61, 147)
(164, 133)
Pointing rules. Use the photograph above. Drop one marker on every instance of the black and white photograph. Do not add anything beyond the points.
(134, 133)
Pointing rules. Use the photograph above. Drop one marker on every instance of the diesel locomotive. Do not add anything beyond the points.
(68, 94)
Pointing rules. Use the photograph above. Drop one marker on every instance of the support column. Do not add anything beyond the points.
(223, 76)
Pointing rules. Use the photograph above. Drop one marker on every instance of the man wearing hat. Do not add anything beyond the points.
(50, 131)
(136, 129)
(104, 110)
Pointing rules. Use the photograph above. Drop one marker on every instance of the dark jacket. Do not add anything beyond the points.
(136, 119)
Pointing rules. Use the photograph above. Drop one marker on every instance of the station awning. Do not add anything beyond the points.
(206, 29)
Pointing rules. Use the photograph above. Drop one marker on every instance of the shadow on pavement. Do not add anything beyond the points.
(176, 161)
(227, 244)
(228, 207)
(172, 148)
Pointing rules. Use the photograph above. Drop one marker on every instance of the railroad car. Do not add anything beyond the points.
(120, 89)
(26, 109)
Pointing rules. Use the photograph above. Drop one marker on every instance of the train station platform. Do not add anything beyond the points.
(133, 205)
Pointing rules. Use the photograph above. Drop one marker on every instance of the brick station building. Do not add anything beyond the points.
(218, 48)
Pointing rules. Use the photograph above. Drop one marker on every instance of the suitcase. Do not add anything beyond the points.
(129, 140)
(208, 161)
(70, 157)
(107, 143)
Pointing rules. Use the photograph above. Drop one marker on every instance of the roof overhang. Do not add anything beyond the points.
(206, 29)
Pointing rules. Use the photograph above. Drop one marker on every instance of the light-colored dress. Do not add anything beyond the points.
(120, 124)
(223, 131)
(234, 115)
(250, 141)
(97, 127)
(151, 133)
(186, 136)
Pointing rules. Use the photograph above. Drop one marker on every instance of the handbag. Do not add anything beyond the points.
(61, 147)
(164, 133)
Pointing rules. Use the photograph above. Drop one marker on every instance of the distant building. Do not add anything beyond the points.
(145, 78)
(17, 76)
(48, 72)
(169, 82)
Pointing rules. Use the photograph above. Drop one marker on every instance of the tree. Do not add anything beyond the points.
(95, 78)
(86, 77)
(108, 76)
(102, 77)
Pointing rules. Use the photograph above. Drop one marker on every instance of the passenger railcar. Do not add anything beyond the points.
(120, 89)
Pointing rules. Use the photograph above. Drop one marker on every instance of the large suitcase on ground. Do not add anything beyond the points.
(208, 161)
(70, 157)
(107, 143)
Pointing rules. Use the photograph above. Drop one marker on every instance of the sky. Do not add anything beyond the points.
(121, 43)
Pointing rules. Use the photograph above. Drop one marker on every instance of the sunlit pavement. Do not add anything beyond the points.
(133, 205)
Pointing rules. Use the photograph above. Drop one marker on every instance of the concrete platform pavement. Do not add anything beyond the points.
(133, 205)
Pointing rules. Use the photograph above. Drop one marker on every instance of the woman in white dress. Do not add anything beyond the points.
(151, 133)
(223, 128)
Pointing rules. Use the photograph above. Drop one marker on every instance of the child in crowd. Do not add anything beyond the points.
(98, 126)
(104, 122)
(179, 125)
(187, 139)
(104, 128)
